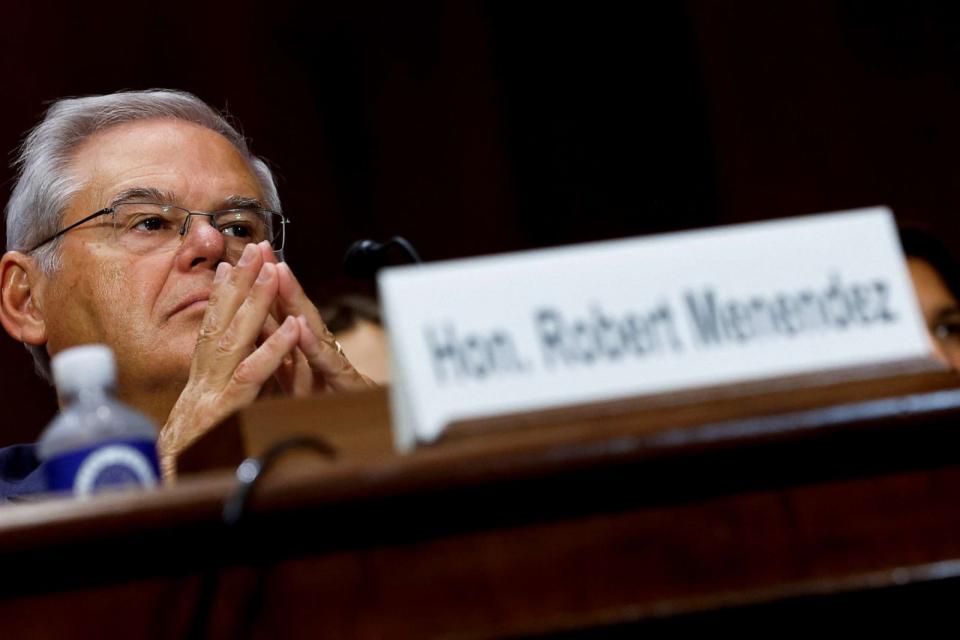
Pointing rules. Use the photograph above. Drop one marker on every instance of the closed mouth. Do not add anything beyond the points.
(191, 303)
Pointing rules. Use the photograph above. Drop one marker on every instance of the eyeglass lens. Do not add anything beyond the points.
(144, 228)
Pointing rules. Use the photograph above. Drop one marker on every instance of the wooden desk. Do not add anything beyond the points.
(783, 507)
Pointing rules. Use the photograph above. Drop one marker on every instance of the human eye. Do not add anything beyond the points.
(948, 331)
(152, 219)
(947, 326)
(151, 223)
(245, 225)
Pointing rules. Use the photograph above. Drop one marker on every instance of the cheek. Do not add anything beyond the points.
(952, 355)
(116, 289)
(71, 312)
(129, 295)
(103, 296)
(111, 302)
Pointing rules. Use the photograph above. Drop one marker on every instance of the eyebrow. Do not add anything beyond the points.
(150, 194)
(162, 196)
(947, 313)
(242, 202)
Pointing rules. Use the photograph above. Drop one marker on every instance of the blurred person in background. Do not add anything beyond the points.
(356, 322)
(936, 279)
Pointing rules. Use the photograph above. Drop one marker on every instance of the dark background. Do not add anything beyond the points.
(480, 127)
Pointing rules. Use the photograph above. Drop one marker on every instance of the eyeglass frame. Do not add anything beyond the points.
(284, 221)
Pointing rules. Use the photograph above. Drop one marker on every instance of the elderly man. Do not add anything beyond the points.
(141, 220)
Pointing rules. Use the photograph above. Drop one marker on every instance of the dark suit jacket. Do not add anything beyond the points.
(20, 473)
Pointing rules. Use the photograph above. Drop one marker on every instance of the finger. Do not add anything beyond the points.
(266, 252)
(302, 378)
(327, 361)
(231, 286)
(277, 385)
(251, 374)
(270, 326)
(285, 372)
(294, 374)
(317, 343)
(247, 324)
(294, 302)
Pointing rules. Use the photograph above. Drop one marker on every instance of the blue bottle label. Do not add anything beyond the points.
(114, 464)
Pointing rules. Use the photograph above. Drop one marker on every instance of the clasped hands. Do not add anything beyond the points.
(258, 325)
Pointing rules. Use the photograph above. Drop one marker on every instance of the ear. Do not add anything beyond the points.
(20, 313)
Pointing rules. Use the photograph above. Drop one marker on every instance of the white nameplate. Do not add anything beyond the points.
(825, 296)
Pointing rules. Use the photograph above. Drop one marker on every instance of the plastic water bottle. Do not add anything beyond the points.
(96, 443)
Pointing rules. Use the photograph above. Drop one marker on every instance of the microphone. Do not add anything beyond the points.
(365, 257)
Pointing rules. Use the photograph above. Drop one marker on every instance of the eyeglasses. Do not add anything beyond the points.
(146, 227)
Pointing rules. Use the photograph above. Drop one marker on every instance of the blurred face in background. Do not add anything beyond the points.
(940, 308)
(365, 344)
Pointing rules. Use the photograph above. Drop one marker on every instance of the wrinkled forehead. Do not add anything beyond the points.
(190, 164)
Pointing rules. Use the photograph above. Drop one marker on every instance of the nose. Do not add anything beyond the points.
(201, 246)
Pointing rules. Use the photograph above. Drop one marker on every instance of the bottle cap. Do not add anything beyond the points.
(91, 365)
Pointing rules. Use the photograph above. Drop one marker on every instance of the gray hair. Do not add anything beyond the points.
(44, 185)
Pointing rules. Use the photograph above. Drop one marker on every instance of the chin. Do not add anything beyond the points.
(171, 358)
